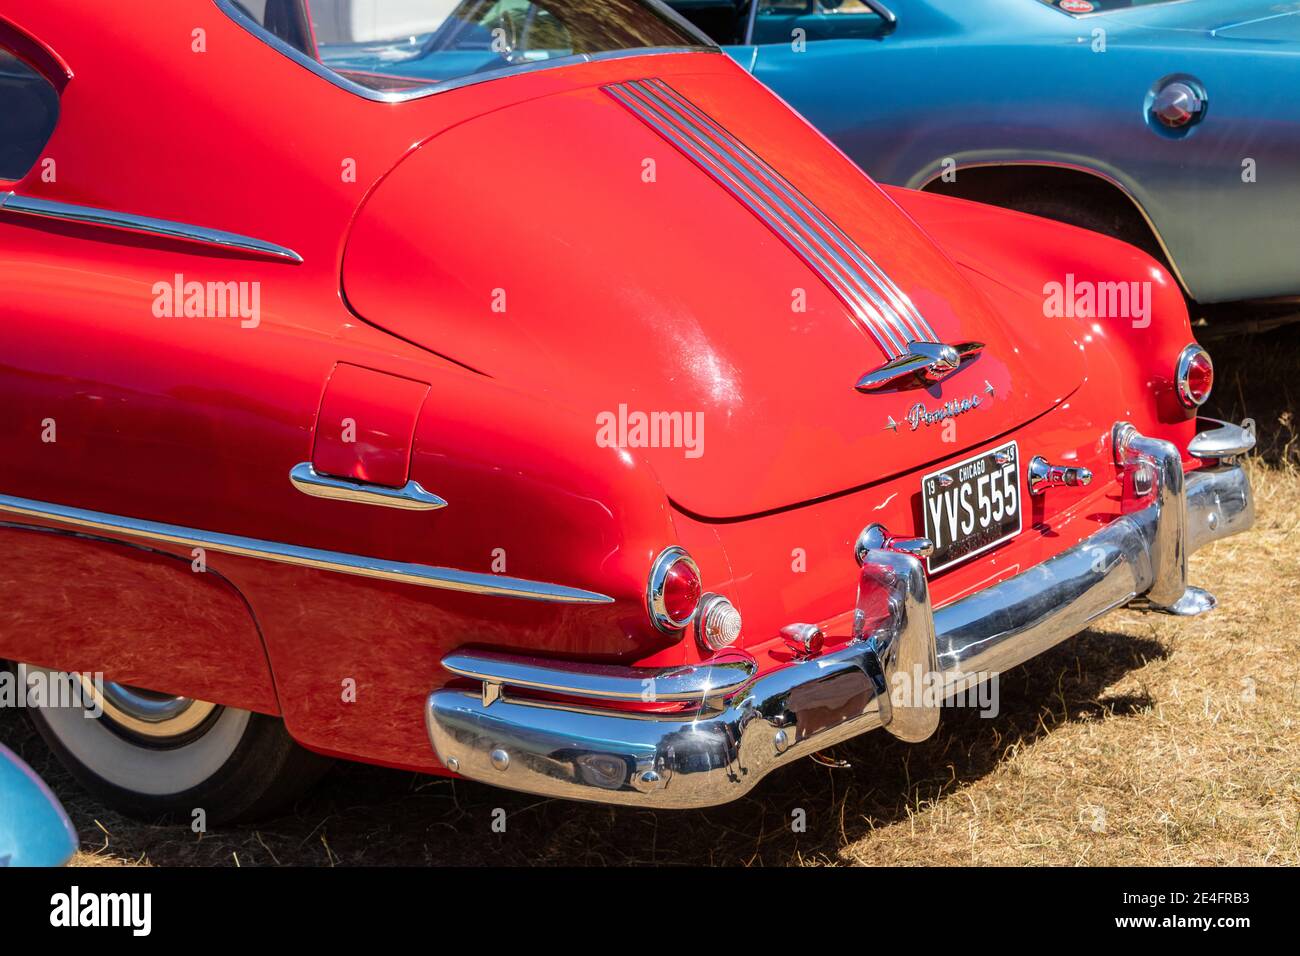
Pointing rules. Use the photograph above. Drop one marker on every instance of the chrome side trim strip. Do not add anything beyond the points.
(410, 496)
(88, 215)
(877, 303)
(422, 575)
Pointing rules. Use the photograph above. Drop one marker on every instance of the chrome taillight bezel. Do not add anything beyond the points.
(1182, 374)
(655, 600)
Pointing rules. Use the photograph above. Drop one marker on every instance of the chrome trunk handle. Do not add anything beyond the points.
(411, 496)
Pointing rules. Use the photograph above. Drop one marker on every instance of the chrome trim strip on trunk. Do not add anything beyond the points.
(877, 303)
(906, 312)
(715, 754)
(167, 229)
(421, 575)
(867, 306)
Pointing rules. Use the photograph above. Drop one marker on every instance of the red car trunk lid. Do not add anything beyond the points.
(592, 258)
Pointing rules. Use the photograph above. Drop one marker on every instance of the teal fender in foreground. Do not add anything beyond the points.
(34, 830)
(1005, 82)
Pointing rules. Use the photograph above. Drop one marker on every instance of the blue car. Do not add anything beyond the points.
(34, 830)
(1171, 124)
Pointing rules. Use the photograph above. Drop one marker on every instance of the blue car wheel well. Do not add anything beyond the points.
(1075, 196)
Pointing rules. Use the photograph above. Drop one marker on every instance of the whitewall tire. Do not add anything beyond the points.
(156, 756)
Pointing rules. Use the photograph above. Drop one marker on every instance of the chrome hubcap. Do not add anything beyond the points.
(148, 713)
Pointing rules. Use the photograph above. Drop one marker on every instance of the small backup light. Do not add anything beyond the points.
(674, 590)
(1194, 376)
(718, 623)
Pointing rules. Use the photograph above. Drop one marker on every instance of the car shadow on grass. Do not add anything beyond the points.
(363, 815)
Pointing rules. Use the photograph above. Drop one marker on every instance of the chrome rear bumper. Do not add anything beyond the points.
(745, 725)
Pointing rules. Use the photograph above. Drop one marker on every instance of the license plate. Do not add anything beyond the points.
(972, 506)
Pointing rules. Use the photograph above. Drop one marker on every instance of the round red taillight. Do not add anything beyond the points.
(1195, 376)
(674, 590)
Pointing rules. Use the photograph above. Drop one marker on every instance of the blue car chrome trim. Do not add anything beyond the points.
(880, 306)
(422, 575)
(165, 228)
(719, 751)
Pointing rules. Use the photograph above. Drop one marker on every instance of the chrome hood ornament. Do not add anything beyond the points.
(924, 364)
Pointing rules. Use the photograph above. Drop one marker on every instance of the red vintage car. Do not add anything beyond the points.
(517, 389)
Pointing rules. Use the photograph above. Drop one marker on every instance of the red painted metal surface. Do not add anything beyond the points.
(748, 336)
(661, 297)
(90, 604)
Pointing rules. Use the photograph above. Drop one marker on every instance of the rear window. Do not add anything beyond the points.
(414, 46)
(30, 110)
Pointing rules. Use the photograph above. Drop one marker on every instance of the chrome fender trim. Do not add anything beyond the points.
(163, 228)
(422, 575)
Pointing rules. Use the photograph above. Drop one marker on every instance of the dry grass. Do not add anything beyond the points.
(1147, 740)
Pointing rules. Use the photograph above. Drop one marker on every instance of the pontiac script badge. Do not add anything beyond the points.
(919, 415)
